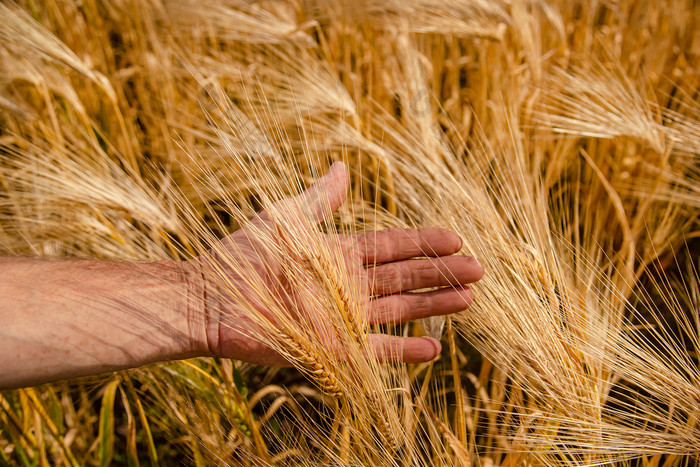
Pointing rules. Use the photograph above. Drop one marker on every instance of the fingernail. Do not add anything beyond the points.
(480, 264)
(461, 242)
(436, 347)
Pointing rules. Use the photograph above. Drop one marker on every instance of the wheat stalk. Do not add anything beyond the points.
(537, 130)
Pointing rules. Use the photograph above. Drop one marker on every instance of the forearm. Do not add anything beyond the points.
(61, 319)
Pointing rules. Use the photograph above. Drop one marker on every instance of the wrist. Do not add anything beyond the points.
(193, 309)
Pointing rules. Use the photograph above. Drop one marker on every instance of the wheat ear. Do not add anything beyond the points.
(313, 364)
(343, 299)
(380, 417)
(323, 271)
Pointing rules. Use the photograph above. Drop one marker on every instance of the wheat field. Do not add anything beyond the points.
(559, 139)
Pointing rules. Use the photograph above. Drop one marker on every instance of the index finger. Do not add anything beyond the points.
(384, 246)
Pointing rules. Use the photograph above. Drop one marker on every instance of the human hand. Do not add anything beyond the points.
(252, 278)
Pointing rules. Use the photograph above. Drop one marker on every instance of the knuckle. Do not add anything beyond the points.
(380, 310)
(393, 309)
(394, 237)
(372, 245)
(424, 272)
(396, 347)
(411, 242)
(387, 279)
(421, 306)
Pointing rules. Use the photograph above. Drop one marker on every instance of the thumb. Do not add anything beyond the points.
(325, 195)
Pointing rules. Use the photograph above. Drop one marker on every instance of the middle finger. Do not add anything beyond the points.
(415, 274)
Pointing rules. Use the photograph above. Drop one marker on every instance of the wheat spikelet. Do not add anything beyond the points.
(460, 451)
(380, 419)
(312, 363)
(319, 266)
(349, 310)
(573, 383)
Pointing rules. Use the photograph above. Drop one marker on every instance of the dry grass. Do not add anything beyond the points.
(559, 139)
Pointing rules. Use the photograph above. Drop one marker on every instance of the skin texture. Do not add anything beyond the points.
(63, 319)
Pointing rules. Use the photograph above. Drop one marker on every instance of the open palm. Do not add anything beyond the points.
(380, 264)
